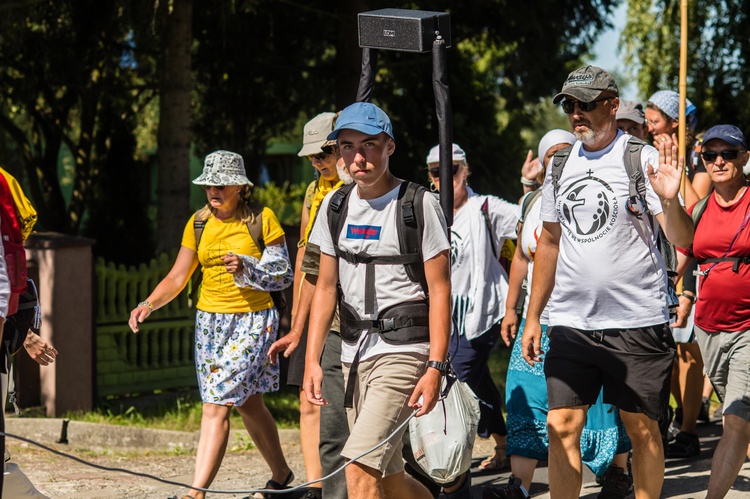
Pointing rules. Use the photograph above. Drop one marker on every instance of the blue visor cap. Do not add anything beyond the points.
(728, 133)
(363, 117)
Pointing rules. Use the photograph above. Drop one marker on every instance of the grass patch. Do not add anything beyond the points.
(182, 411)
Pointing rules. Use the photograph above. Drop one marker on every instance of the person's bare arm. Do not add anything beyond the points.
(437, 274)
(322, 310)
(543, 279)
(519, 267)
(168, 288)
(674, 220)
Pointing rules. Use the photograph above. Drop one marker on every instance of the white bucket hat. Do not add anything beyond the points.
(223, 168)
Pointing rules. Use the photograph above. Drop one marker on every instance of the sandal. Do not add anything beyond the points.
(274, 485)
(495, 462)
(186, 496)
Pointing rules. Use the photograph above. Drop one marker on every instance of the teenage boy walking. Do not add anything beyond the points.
(395, 340)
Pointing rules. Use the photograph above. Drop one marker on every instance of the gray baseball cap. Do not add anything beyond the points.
(586, 83)
(631, 110)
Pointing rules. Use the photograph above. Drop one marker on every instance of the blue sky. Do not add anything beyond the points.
(606, 49)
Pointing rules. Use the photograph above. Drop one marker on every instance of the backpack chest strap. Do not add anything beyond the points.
(370, 261)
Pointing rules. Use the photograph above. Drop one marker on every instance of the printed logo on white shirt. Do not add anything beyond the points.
(587, 209)
(363, 232)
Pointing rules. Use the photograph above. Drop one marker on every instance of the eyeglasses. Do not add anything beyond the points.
(320, 156)
(435, 172)
(209, 187)
(726, 154)
(567, 105)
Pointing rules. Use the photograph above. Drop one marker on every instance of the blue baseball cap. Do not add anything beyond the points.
(728, 133)
(363, 117)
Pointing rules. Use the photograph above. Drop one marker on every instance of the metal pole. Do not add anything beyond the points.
(445, 125)
(367, 76)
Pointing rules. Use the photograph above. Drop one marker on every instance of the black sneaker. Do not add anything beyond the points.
(685, 445)
(616, 484)
(513, 490)
(703, 414)
(312, 493)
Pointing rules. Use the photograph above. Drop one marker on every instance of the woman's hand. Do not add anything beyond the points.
(138, 315)
(288, 343)
(39, 350)
(530, 169)
(233, 263)
(509, 327)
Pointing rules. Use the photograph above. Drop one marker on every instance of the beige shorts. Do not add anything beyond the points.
(384, 385)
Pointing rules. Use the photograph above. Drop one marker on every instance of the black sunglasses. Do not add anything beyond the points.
(711, 156)
(208, 187)
(567, 105)
(320, 156)
(435, 172)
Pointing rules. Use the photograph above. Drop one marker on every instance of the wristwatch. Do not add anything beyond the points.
(442, 367)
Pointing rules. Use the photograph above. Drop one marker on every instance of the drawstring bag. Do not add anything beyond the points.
(442, 441)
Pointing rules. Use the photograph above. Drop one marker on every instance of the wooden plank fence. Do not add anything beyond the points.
(161, 355)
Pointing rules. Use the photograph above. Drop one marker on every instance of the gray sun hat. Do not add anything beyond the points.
(223, 168)
(315, 133)
(631, 110)
(586, 83)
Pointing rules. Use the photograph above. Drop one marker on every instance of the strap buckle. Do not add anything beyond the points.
(388, 324)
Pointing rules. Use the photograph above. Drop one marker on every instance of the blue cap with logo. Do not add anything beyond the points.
(728, 133)
(363, 117)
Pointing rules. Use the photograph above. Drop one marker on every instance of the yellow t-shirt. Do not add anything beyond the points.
(219, 294)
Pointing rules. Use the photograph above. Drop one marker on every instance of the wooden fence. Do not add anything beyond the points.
(161, 355)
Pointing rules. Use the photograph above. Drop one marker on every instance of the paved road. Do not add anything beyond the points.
(684, 478)
(242, 469)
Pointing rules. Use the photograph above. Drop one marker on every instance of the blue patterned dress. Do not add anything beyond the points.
(603, 437)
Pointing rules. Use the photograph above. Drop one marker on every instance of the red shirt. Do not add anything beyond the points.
(723, 295)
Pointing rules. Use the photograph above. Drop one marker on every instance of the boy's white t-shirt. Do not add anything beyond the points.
(610, 273)
(370, 227)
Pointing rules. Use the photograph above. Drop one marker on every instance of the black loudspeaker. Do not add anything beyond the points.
(402, 29)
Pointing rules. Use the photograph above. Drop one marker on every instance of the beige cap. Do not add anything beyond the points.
(315, 133)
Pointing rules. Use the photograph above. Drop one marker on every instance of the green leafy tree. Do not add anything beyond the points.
(718, 54)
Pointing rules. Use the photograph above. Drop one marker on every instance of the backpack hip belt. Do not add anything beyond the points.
(400, 324)
(736, 259)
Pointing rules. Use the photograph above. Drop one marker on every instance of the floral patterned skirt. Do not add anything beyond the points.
(231, 355)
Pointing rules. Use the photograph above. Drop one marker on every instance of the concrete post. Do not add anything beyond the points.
(65, 286)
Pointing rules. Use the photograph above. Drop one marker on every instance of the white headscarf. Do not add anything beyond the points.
(552, 138)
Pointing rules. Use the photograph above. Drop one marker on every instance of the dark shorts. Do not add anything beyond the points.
(633, 365)
(296, 370)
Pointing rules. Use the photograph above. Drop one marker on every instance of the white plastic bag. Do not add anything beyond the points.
(442, 440)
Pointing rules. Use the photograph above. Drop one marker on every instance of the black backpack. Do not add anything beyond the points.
(17, 325)
(255, 228)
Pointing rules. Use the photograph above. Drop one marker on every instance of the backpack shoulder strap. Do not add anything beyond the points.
(527, 203)
(698, 210)
(558, 163)
(255, 227)
(632, 160)
(337, 210)
(488, 224)
(410, 228)
(198, 225)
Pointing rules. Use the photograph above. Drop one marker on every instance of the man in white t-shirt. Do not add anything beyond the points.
(392, 361)
(608, 309)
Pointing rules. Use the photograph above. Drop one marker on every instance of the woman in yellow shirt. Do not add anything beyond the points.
(236, 321)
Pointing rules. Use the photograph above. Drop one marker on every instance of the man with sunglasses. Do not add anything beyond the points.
(722, 318)
(608, 310)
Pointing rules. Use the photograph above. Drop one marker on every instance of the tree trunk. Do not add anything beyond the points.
(173, 187)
